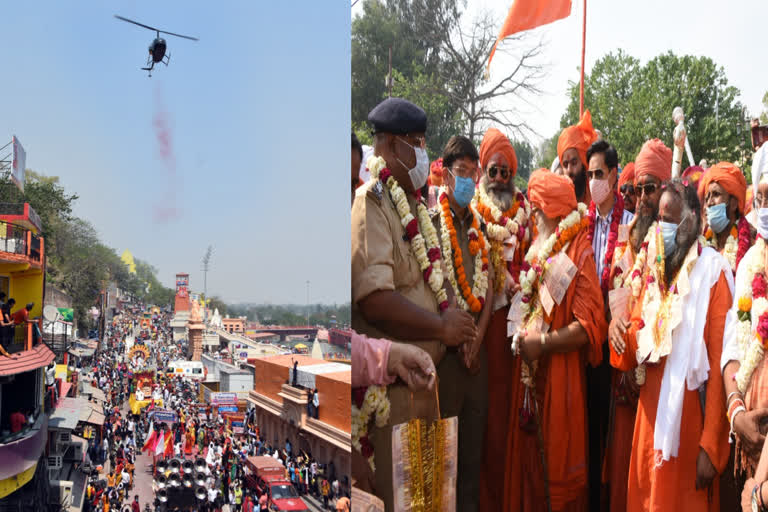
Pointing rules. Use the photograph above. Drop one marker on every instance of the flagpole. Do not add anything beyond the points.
(583, 47)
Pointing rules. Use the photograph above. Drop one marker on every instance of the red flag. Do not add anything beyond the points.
(149, 444)
(528, 14)
(168, 443)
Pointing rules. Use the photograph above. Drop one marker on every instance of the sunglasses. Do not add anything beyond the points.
(627, 189)
(647, 189)
(493, 170)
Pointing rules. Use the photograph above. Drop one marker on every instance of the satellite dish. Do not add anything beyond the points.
(50, 313)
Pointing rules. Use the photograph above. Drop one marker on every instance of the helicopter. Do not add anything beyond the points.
(158, 47)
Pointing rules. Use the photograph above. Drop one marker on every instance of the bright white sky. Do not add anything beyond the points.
(728, 32)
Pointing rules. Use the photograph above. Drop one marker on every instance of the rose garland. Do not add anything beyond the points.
(474, 299)
(752, 304)
(737, 244)
(613, 236)
(500, 226)
(427, 251)
(366, 403)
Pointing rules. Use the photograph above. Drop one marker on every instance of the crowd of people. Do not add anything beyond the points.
(194, 431)
(599, 336)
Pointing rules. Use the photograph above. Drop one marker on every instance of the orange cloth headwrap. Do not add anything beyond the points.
(579, 136)
(496, 142)
(655, 159)
(551, 193)
(727, 176)
(627, 174)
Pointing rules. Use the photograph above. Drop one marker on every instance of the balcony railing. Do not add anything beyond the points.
(18, 338)
(16, 239)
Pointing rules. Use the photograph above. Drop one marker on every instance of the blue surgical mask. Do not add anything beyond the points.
(717, 217)
(669, 233)
(762, 223)
(463, 191)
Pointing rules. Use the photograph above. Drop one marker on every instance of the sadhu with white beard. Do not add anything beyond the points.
(681, 300)
(560, 327)
(506, 215)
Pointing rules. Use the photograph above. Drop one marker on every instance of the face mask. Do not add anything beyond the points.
(420, 171)
(669, 233)
(717, 217)
(599, 190)
(762, 223)
(463, 191)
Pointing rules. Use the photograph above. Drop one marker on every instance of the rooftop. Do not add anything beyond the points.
(28, 360)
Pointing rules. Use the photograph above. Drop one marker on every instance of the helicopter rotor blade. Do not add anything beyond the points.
(178, 35)
(136, 23)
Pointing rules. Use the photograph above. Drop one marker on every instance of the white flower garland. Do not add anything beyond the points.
(480, 277)
(729, 250)
(375, 402)
(529, 277)
(426, 230)
(750, 347)
(495, 230)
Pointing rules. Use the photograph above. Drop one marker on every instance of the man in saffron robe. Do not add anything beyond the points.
(653, 169)
(572, 148)
(497, 186)
(627, 187)
(723, 191)
(680, 442)
(576, 331)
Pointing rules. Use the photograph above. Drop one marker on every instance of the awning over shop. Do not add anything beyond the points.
(68, 413)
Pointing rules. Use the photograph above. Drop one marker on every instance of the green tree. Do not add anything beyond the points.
(764, 113)
(631, 104)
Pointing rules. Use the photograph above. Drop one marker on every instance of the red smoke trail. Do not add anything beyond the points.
(166, 210)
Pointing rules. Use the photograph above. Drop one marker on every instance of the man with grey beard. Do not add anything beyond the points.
(680, 442)
(505, 213)
(652, 171)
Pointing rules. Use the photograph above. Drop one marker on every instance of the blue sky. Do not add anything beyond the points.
(257, 119)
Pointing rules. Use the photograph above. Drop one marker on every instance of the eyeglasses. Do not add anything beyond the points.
(421, 142)
(627, 189)
(761, 201)
(493, 170)
(595, 175)
(647, 189)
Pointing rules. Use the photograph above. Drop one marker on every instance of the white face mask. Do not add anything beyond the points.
(420, 171)
(599, 189)
(762, 223)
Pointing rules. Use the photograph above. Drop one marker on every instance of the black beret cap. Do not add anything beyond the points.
(396, 115)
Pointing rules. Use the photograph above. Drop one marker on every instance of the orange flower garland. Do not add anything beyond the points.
(475, 301)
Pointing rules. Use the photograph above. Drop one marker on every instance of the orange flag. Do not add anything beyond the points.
(528, 14)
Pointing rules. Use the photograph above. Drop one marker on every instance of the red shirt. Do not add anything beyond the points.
(17, 422)
(21, 316)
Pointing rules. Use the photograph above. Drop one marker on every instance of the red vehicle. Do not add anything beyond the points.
(266, 474)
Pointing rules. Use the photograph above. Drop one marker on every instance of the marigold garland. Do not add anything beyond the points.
(736, 245)
(468, 299)
(501, 226)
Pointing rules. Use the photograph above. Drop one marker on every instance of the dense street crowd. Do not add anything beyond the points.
(196, 432)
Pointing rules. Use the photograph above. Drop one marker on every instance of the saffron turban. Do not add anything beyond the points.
(693, 175)
(655, 159)
(496, 142)
(551, 193)
(729, 177)
(627, 174)
(436, 172)
(579, 136)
